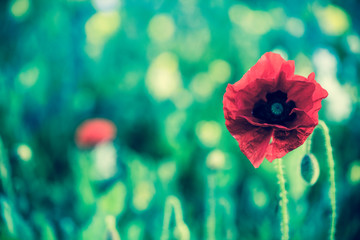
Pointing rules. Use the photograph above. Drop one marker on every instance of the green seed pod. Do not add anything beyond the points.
(310, 169)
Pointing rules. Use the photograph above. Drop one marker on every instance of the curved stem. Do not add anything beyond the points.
(111, 226)
(169, 204)
(331, 164)
(283, 202)
(308, 144)
(173, 204)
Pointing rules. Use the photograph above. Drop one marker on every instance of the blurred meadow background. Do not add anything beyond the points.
(158, 71)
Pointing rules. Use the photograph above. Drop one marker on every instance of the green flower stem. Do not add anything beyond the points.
(173, 204)
(211, 204)
(331, 164)
(111, 226)
(5, 173)
(283, 202)
(308, 144)
(228, 221)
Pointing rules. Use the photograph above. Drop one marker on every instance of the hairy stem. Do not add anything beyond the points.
(308, 144)
(283, 202)
(331, 164)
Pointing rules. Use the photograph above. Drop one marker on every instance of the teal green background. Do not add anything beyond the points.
(158, 70)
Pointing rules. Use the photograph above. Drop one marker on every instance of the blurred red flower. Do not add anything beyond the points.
(95, 131)
(270, 111)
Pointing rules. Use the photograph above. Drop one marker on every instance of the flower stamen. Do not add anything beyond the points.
(277, 108)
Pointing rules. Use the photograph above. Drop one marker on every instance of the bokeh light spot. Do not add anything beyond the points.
(194, 43)
(259, 197)
(303, 65)
(254, 22)
(354, 172)
(208, 132)
(24, 152)
(354, 43)
(236, 12)
(325, 62)
(339, 101)
(215, 159)
(29, 76)
(19, 8)
(163, 77)
(101, 26)
(166, 171)
(295, 27)
(220, 71)
(143, 194)
(104, 156)
(182, 99)
(332, 20)
(340, 104)
(202, 86)
(131, 80)
(173, 125)
(161, 28)
(135, 230)
(106, 5)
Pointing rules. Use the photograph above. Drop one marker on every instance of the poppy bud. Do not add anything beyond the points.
(310, 169)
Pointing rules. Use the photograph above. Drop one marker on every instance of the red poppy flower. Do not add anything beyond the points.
(95, 131)
(270, 111)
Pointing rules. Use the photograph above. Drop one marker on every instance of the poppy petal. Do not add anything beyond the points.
(268, 67)
(319, 94)
(288, 68)
(301, 93)
(302, 120)
(286, 141)
(229, 102)
(253, 141)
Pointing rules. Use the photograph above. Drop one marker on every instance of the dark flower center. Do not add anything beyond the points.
(275, 110)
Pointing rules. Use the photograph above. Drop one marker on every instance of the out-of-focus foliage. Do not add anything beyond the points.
(158, 71)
